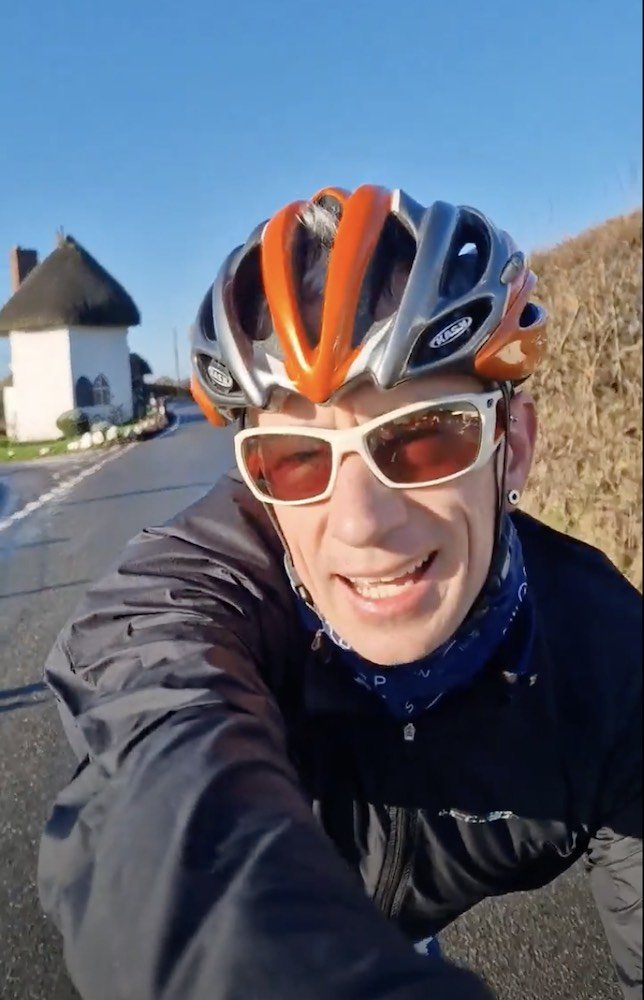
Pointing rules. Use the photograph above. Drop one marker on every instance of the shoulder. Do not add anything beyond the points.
(223, 547)
(229, 523)
(589, 614)
(572, 575)
(217, 565)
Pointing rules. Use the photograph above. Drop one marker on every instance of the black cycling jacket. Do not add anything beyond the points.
(247, 822)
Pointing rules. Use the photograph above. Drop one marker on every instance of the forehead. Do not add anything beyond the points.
(366, 401)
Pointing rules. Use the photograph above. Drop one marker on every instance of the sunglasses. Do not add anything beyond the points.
(422, 444)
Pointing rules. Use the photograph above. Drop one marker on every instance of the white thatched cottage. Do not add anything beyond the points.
(67, 322)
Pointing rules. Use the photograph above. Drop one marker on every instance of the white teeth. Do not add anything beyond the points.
(410, 569)
(386, 586)
(382, 589)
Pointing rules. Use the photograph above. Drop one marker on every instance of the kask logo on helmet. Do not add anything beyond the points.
(451, 332)
(220, 375)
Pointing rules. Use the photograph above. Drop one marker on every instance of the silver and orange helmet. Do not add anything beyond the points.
(465, 306)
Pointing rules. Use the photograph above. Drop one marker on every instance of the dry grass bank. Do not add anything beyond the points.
(587, 478)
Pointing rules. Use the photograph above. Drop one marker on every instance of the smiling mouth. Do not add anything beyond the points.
(390, 586)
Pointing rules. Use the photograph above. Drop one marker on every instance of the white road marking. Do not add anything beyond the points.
(68, 484)
(62, 487)
(172, 428)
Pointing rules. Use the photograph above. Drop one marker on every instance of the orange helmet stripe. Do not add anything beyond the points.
(279, 285)
(209, 410)
(362, 220)
(317, 372)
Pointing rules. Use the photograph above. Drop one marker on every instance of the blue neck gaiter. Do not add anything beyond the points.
(502, 613)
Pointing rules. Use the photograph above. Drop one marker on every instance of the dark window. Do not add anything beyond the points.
(102, 394)
(84, 392)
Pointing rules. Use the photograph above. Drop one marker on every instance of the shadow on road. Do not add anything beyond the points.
(18, 697)
(135, 493)
(22, 691)
(33, 545)
(15, 705)
(190, 416)
(44, 590)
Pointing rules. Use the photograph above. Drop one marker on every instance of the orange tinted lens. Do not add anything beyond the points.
(288, 466)
(428, 444)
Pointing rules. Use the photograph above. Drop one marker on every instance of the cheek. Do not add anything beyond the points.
(477, 504)
(477, 495)
(302, 528)
(464, 510)
(471, 499)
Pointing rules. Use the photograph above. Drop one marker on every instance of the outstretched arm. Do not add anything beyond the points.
(183, 862)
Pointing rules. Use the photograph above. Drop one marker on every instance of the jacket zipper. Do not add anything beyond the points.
(392, 866)
(389, 894)
(396, 866)
(405, 874)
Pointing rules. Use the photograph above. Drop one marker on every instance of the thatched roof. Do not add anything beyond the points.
(69, 288)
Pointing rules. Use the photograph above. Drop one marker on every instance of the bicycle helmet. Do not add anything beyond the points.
(464, 305)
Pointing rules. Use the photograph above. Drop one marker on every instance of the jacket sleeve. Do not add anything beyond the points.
(183, 862)
(614, 856)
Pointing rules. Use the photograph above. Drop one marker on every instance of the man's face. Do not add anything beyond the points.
(343, 547)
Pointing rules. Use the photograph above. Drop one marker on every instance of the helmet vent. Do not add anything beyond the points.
(249, 300)
(204, 322)
(386, 277)
(466, 260)
(332, 205)
(529, 315)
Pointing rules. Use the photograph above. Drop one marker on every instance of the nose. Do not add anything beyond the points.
(363, 511)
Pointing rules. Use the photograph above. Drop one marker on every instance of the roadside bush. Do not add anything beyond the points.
(116, 415)
(587, 477)
(72, 423)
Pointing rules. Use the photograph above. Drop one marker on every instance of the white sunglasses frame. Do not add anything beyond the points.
(352, 441)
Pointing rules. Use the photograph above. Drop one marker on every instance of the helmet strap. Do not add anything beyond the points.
(289, 566)
(296, 583)
(499, 485)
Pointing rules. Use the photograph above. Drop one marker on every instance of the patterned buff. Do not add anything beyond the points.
(503, 613)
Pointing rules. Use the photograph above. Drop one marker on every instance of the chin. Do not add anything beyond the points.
(388, 650)
(389, 636)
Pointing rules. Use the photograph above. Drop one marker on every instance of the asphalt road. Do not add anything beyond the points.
(542, 946)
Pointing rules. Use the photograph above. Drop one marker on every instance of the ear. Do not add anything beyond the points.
(522, 436)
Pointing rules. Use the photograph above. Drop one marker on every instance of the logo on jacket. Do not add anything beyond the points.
(451, 332)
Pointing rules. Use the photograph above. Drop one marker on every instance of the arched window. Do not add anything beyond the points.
(102, 394)
(84, 392)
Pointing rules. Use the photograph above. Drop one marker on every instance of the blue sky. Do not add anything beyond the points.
(159, 134)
